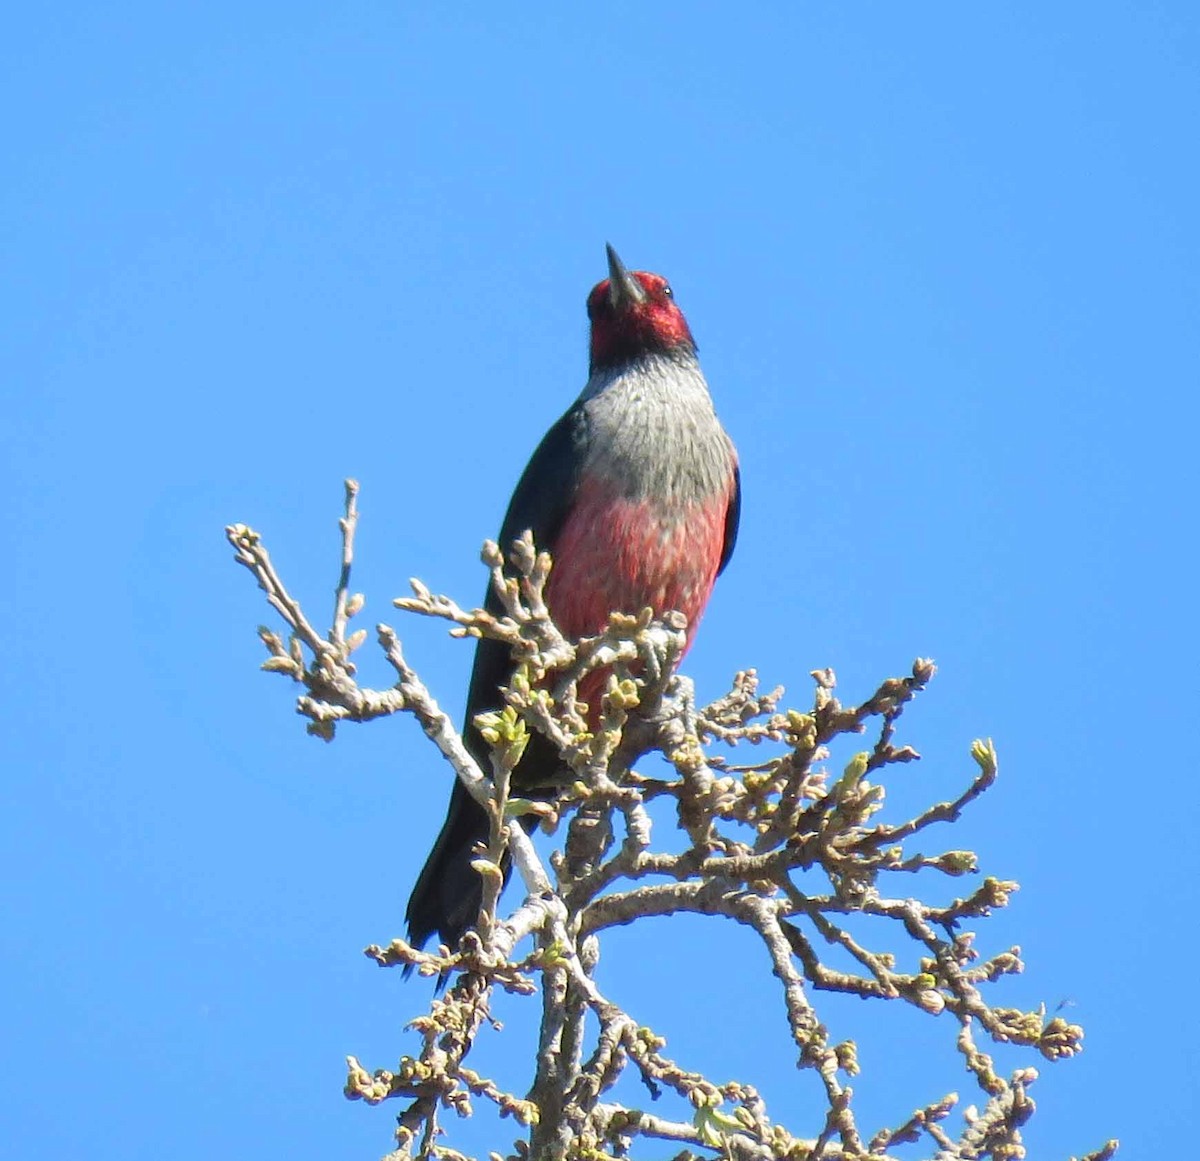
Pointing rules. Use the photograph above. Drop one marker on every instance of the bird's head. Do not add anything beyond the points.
(634, 313)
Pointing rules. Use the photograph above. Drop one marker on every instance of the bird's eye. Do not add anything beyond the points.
(667, 291)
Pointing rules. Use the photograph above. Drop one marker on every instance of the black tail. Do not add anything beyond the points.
(449, 890)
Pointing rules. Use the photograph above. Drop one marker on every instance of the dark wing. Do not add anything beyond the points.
(546, 490)
(447, 896)
(448, 893)
(541, 501)
(733, 514)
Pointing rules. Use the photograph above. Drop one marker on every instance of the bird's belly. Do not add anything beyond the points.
(616, 554)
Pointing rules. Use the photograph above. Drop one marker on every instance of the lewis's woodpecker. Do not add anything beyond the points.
(635, 492)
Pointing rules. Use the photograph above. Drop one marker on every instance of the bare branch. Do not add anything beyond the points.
(782, 847)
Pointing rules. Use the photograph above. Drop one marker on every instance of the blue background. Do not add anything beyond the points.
(942, 264)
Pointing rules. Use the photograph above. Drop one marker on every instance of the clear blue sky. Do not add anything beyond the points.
(942, 261)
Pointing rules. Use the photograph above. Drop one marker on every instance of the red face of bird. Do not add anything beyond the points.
(634, 313)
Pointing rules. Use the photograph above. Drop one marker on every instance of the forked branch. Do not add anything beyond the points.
(755, 833)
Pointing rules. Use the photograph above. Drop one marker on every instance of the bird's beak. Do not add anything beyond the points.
(623, 288)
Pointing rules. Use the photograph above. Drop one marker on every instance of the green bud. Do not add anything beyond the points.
(959, 862)
(984, 753)
(714, 1126)
(852, 775)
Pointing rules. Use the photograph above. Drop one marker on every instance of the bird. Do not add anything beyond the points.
(636, 494)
